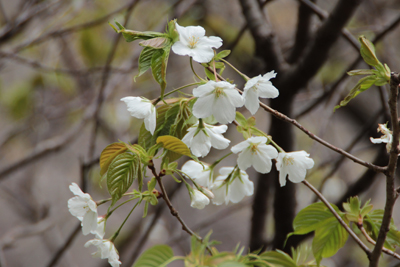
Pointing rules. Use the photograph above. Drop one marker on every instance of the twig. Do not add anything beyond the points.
(343, 223)
(391, 194)
(370, 240)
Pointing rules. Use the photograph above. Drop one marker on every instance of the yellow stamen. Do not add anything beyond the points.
(288, 160)
(193, 41)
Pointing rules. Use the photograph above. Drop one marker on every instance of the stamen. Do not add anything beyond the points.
(193, 41)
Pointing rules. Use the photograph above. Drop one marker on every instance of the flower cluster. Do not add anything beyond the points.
(84, 208)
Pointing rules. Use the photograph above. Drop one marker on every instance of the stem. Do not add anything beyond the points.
(119, 229)
(343, 223)
(370, 240)
(180, 88)
(111, 211)
(244, 76)
(191, 66)
(391, 193)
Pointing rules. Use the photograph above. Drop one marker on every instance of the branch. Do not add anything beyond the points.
(343, 223)
(391, 194)
(266, 43)
(370, 240)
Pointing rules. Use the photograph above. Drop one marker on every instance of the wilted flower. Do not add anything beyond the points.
(294, 165)
(105, 250)
(195, 170)
(84, 208)
(254, 151)
(200, 138)
(142, 108)
(238, 185)
(256, 87)
(217, 98)
(387, 137)
(194, 43)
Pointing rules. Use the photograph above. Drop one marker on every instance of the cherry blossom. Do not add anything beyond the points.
(142, 108)
(202, 176)
(105, 250)
(387, 137)
(294, 165)
(199, 200)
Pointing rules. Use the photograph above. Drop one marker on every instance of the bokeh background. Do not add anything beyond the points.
(63, 71)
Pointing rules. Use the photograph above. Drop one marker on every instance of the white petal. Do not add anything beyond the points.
(268, 91)
(282, 177)
(250, 83)
(251, 101)
(234, 96)
(224, 172)
(245, 159)
(89, 222)
(205, 89)
(199, 200)
(200, 145)
(238, 190)
(217, 140)
(203, 107)
(181, 49)
(240, 147)
(137, 106)
(261, 164)
(269, 75)
(223, 110)
(150, 121)
(203, 54)
(76, 190)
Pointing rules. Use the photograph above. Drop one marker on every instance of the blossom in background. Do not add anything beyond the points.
(202, 176)
(219, 99)
(294, 165)
(142, 108)
(239, 186)
(105, 250)
(84, 208)
(387, 137)
(194, 43)
(254, 151)
(256, 87)
(199, 200)
(201, 139)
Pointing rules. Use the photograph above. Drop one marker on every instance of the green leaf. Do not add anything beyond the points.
(210, 75)
(368, 52)
(174, 144)
(232, 264)
(155, 256)
(362, 85)
(373, 222)
(121, 174)
(145, 60)
(222, 54)
(241, 119)
(171, 32)
(130, 35)
(278, 259)
(361, 72)
(159, 67)
(108, 155)
(328, 239)
(156, 43)
(311, 218)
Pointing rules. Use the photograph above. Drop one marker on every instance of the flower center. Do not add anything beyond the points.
(253, 148)
(287, 160)
(219, 92)
(193, 41)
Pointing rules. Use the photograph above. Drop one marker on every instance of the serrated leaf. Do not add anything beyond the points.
(155, 256)
(145, 60)
(278, 259)
(362, 85)
(121, 174)
(328, 239)
(108, 155)
(372, 224)
(159, 67)
(156, 43)
(310, 218)
(174, 144)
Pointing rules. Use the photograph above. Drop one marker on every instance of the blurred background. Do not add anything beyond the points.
(63, 71)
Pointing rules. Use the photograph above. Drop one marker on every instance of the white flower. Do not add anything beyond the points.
(195, 170)
(256, 87)
(217, 98)
(294, 164)
(192, 42)
(254, 151)
(201, 139)
(100, 230)
(199, 200)
(387, 137)
(84, 208)
(105, 250)
(239, 186)
(142, 108)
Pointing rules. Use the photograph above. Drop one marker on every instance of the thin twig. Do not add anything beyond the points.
(343, 223)
(370, 240)
(391, 194)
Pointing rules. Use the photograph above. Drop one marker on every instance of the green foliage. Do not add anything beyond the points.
(131, 36)
(108, 154)
(379, 77)
(247, 126)
(155, 256)
(329, 236)
(121, 173)
(354, 212)
(372, 224)
(222, 54)
(174, 144)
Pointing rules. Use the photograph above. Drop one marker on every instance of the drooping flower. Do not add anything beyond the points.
(105, 250)
(200, 138)
(142, 108)
(194, 43)
(238, 185)
(219, 99)
(254, 151)
(387, 137)
(256, 87)
(100, 230)
(199, 200)
(84, 208)
(294, 165)
(202, 176)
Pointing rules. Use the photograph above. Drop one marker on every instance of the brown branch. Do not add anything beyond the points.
(370, 240)
(391, 194)
(337, 216)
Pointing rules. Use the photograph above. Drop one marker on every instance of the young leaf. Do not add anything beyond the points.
(174, 144)
(368, 52)
(131, 36)
(145, 60)
(108, 155)
(222, 54)
(155, 256)
(373, 222)
(278, 259)
(121, 174)
(156, 43)
(159, 67)
(311, 218)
